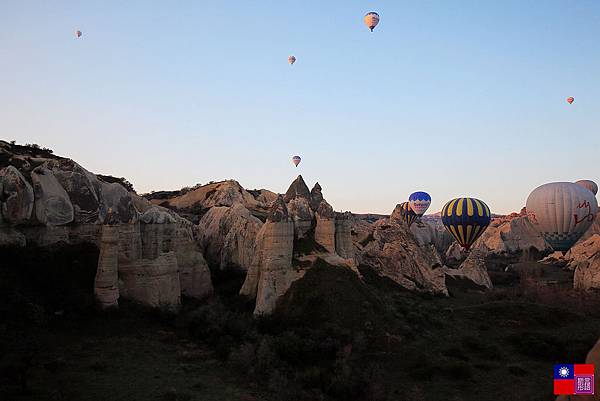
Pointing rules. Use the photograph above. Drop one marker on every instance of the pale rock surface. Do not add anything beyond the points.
(52, 204)
(17, 195)
(271, 273)
(74, 206)
(325, 227)
(587, 274)
(116, 199)
(81, 186)
(316, 196)
(472, 269)
(302, 216)
(343, 236)
(227, 235)
(106, 286)
(581, 251)
(224, 193)
(395, 254)
(153, 282)
(510, 235)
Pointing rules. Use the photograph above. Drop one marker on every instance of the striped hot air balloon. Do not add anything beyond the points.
(562, 212)
(296, 160)
(466, 219)
(589, 184)
(419, 202)
(408, 215)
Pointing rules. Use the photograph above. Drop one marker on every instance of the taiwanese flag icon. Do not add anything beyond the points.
(574, 379)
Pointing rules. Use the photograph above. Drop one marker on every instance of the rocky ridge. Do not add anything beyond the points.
(147, 253)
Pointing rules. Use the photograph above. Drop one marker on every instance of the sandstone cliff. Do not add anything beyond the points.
(301, 229)
(392, 251)
(45, 199)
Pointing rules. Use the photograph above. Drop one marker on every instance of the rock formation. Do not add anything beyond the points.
(392, 251)
(325, 226)
(298, 201)
(192, 203)
(343, 236)
(301, 228)
(145, 247)
(106, 287)
(473, 269)
(17, 195)
(227, 236)
(271, 273)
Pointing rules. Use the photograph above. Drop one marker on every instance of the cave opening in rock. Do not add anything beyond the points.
(59, 277)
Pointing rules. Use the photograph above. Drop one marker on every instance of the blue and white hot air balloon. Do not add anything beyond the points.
(419, 202)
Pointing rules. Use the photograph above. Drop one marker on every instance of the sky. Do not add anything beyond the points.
(456, 98)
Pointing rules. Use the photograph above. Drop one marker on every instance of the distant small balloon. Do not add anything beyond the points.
(291, 60)
(570, 99)
(371, 20)
(296, 160)
(589, 184)
(78, 34)
(419, 202)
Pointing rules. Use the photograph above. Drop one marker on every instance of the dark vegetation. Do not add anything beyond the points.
(121, 181)
(22, 156)
(335, 337)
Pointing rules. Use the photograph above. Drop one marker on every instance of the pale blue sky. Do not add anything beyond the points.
(457, 98)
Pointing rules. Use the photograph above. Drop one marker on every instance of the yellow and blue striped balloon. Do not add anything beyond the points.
(408, 215)
(466, 219)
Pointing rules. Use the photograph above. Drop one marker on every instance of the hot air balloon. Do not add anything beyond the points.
(296, 160)
(561, 212)
(466, 219)
(371, 20)
(570, 99)
(589, 184)
(78, 34)
(419, 202)
(291, 60)
(407, 214)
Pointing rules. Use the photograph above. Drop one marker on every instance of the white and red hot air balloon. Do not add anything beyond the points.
(561, 212)
(588, 184)
(296, 160)
(570, 99)
(291, 60)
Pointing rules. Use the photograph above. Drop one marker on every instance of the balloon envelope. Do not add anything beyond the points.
(408, 215)
(589, 184)
(419, 202)
(296, 160)
(466, 219)
(291, 60)
(371, 20)
(570, 99)
(78, 34)
(561, 212)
